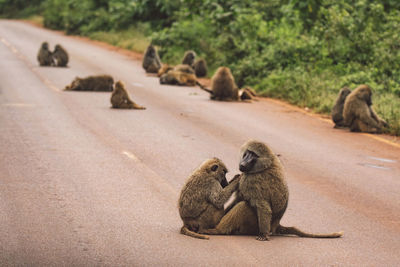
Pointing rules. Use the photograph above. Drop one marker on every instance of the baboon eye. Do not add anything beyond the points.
(214, 168)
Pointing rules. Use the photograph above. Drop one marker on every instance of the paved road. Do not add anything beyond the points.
(82, 184)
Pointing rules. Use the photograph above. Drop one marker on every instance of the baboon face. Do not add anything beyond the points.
(218, 170)
(57, 47)
(45, 45)
(255, 157)
(364, 92)
(76, 82)
(119, 85)
(151, 51)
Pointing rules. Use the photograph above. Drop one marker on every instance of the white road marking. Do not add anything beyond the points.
(137, 84)
(383, 159)
(375, 166)
(18, 105)
(131, 156)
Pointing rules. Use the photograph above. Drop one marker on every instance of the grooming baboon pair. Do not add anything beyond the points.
(261, 199)
(59, 57)
(354, 110)
(119, 97)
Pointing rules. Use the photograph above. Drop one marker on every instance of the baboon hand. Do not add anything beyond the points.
(262, 237)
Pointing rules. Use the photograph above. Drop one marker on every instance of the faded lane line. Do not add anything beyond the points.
(18, 105)
(14, 50)
(157, 179)
(383, 159)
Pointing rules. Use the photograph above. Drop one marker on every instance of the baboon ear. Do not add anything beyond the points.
(214, 168)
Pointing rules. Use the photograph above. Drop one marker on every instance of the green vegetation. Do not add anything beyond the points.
(302, 51)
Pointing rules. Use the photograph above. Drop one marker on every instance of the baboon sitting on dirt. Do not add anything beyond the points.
(337, 110)
(200, 68)
(151, 60)
(44, 55)
(263, 196)
(60, 56)
(202, 199)
(358, 113)
(121, 99)
(92, 83)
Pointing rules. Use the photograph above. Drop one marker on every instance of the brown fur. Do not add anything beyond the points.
(189, 58)
(200, 68)
(44, 55)
(151, 61)
(60, 56)
(358, 113)
(92, 83)
(164, 69)
(173, 77)
(247, 93)
(337, 110)
(121, 99)
(223, 85)
(202, 199)
(262, 197)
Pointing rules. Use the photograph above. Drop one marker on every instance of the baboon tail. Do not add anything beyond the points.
(204, 88)
(282, 230)
(186, 231)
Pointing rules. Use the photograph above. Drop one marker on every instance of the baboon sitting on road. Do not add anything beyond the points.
(264, 195)
(337, 110)
(223, 85)
(151, 60)
(44, 56)
(92, 83)
(60, 56)
(189, 58)
(202, 199)
(121, 99)
(358, 113)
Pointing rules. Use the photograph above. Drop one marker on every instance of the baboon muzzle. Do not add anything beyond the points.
(248, 161)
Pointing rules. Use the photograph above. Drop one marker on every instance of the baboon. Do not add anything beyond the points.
(202, 199)
(358, 113)
(337, 110)
(223, 85)
(189, 58)
(164, 69)
(92, 83)
(178, 78)
(200, 68)
(151, 60)
(121, 99)
(184, 68)
(60, 56)
(263, 194)
(44, 56)
(247, 93)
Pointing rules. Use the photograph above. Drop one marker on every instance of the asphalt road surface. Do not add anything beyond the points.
(83, 184)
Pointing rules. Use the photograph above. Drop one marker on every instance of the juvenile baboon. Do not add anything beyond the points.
(263, 196)
(223, 85)
(202, 199)
(358, 113)
(121, 99)
(92, 83)
(44, 55)
(60, 56)
(337, 110)
(200, 68)
(247, 93)
(173, 77)
(151, 60)
(189, 58)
